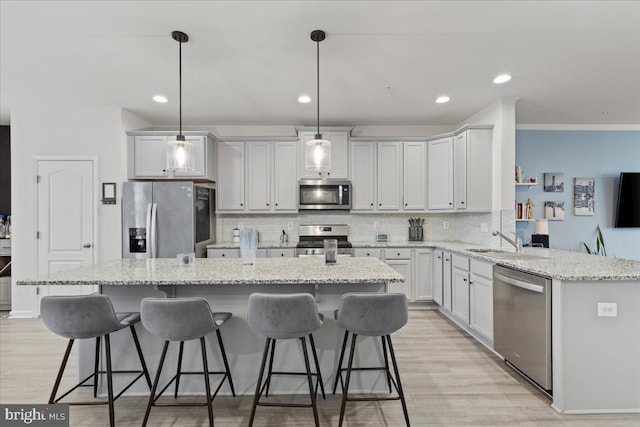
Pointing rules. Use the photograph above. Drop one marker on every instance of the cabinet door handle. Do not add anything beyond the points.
(367, 253)
(281, 254)
(464, 280)
(223, 254)
(450, 203)
(241, 204)
(406, 204)
(462, 203)
(371, 204)
(267, 204)
(380, 204)
(276, 204)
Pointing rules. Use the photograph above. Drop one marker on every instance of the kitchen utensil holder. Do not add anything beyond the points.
(416, 233)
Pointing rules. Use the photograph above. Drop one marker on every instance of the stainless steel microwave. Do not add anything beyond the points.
(324, 194)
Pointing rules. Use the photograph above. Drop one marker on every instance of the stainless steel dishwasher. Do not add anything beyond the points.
(522, 323)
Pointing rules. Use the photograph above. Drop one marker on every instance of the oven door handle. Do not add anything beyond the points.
(519, 283)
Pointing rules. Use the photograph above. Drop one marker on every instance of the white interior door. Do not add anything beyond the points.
(65, 212)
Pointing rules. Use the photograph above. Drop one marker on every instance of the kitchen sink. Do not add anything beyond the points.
(499, 254)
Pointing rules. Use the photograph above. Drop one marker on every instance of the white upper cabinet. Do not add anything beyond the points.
(363, 176)
(230, 186)
(389, 176)
(285, 184)
(147, 156)
(477, 177)
(440, 172)
(339, 154)
(258, 175)
(415, 176)
(265, 171)
(460, 170)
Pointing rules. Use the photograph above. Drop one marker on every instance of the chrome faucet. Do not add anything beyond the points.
(517, 243)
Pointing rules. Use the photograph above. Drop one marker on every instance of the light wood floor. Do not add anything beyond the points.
(449, 380)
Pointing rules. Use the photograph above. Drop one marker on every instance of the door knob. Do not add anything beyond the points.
(86, 245)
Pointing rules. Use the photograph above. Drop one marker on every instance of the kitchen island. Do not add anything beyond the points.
(227, 284)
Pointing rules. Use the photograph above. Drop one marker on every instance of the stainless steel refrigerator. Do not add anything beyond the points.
(163, 219)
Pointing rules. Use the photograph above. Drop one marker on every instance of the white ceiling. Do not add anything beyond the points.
(247, 62)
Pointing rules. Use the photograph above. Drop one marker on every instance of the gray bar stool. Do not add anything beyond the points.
(373, 315)
(90, 316)
(285, 316)
(184, 319)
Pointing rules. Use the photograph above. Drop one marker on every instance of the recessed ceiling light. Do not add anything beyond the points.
(502, 78)
(442, 100)
(160, 98)
(304, 99)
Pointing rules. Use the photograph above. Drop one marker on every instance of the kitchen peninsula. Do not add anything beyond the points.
(226, 284)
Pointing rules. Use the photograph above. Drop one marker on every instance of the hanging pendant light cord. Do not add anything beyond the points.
(318, 84)
(180, 80)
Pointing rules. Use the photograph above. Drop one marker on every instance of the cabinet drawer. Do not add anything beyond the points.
(483, 269)
(281, 253)
(261, 253)
(460, 261)
(370, 252)
(397, 253)
(223, 253)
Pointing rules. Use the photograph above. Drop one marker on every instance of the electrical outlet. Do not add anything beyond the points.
(445, 225)
(607, 309)
(484, 227)
(289, 225)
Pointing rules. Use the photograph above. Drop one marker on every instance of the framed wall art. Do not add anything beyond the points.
(583, 196)
(554, 210)
(554, 182)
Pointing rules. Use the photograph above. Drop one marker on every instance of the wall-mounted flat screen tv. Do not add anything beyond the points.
(628, 214)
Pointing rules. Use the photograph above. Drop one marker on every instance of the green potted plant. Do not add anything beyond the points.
(600, 248)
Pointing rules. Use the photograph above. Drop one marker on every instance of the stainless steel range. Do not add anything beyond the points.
(312, 237)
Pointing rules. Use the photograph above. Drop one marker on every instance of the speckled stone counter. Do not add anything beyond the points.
(553, 263)
(266, 271)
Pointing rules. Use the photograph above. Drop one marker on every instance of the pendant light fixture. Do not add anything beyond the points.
(179, 153)
(318, 150)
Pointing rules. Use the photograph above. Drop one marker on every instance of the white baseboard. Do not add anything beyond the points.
(21, 314)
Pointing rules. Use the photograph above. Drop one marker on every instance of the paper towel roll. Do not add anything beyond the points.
(542, 226)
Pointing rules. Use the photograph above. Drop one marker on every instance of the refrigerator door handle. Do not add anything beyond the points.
(154, 228)
(148, 230)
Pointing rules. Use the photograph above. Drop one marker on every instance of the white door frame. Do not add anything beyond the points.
(96, 198)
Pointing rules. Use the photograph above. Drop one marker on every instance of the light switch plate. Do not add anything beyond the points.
(382, 237)
(607, 309)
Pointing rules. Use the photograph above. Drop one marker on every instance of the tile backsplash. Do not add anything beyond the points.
(464, 227)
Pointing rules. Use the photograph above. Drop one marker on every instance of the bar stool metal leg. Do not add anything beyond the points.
(226, 363)
(273, 350)
(345, 390)
(259, 383)
(107, 345)
(155, 383)
(175, 395)
(339, 370)
(140, 355)
(207, 386)
(310, 381)
(63, 365)
(397, 375)
(319, 374)
(386, 364)
(95, 368)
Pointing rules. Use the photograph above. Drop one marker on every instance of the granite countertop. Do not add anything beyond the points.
(554, 263)
(206, 271)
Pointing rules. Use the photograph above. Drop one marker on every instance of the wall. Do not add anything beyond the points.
(5, 170)
(593, 153)
(60, 131)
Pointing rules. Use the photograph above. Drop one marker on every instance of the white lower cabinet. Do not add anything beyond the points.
(400, 259)
(463, 287)
(223, 253)
(446, 281)
(481, 298)
(370, 252)
(437, 271)
(422, 269)
(460, 287)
